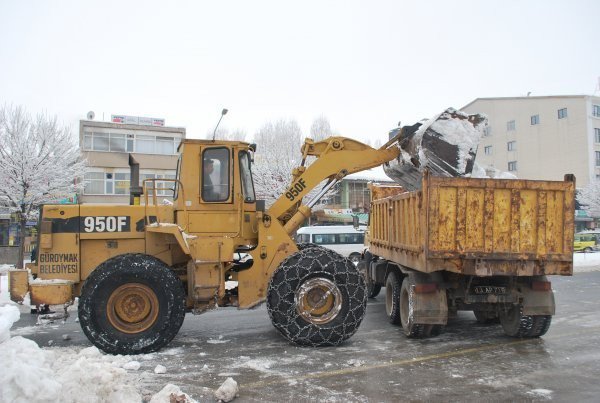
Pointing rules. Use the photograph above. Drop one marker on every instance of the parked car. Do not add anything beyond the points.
(587, 241)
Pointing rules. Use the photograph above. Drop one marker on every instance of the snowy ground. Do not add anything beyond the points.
(586, 262)
(62, 366)
(31, 373)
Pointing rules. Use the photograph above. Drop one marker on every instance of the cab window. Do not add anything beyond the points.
(246, 177)
(215, 175)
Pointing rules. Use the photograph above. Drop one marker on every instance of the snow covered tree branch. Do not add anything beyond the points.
(320, 129)
(278, 152)
(40, 163)
(589, 198)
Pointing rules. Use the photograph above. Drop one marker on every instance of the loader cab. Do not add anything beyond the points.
(217, 191)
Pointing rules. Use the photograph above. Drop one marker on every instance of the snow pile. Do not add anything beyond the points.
(31, 374)
(132, 365)
(9, 314)
(4, 268)
(445, 145)
(490, 172)
(458, 132)
(585, 262)
(227, 391)
(160, 369)
(541, 393)
(171, 393)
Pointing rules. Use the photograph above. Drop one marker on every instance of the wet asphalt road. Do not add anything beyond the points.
(468, 362)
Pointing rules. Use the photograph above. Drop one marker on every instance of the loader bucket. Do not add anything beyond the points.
(445, 145)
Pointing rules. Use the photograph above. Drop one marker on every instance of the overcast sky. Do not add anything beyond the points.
(365, 65)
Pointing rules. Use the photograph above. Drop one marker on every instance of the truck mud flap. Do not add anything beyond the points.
(431, 308)
(538, 302)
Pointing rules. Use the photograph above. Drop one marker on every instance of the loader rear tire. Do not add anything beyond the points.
(392, 298)
(131, 304)
(316, 297)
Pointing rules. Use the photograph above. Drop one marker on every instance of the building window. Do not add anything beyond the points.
(598, 158)
(511, 146)
(512, 166)
(596, 110)
(510, 125)
(487, 131)
(163, 188)
(128, 143)
(535, 120)
(94, 183)
(562, 113)
(487, 150)
(597, 135)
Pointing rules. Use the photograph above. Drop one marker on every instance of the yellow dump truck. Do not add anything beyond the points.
(481, 245)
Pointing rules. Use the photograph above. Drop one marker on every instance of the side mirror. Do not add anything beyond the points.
(355, 222)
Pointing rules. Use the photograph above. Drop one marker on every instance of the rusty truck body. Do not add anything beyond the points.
(481, 245)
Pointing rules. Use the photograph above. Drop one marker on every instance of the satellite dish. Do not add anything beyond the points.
(91, 115)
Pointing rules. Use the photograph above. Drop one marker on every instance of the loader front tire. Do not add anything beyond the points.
(131, 304)
(317, 297)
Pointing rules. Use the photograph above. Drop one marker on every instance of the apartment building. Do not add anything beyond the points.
(541, 137)
(107, 145)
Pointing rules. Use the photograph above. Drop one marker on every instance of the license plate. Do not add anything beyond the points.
(489, 289)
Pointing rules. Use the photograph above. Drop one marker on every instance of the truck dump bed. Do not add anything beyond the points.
(482, 227)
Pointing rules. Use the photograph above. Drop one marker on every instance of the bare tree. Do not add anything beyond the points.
(278, 152)
(320, 128)
(40, 164)
(589, 198)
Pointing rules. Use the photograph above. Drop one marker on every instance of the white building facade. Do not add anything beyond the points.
(107, 145)
(541, 137)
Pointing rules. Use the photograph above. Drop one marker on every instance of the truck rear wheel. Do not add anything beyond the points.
(407, 319)
(392, 298)
(541, 324)
(514, 323)
(131, 304)
(372, 288)
(316, 297)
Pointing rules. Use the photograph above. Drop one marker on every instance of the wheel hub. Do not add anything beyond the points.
(318, 300)
(132, 308)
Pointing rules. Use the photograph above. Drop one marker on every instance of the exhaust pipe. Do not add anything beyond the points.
(135, 191)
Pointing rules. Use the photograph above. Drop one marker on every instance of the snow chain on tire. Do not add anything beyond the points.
(317, 297)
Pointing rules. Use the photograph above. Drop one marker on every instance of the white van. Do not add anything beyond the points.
(343, 239)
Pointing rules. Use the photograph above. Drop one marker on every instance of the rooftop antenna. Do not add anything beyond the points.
(223, 113)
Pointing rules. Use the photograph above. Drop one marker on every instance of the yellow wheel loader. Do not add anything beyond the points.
(138, 268)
